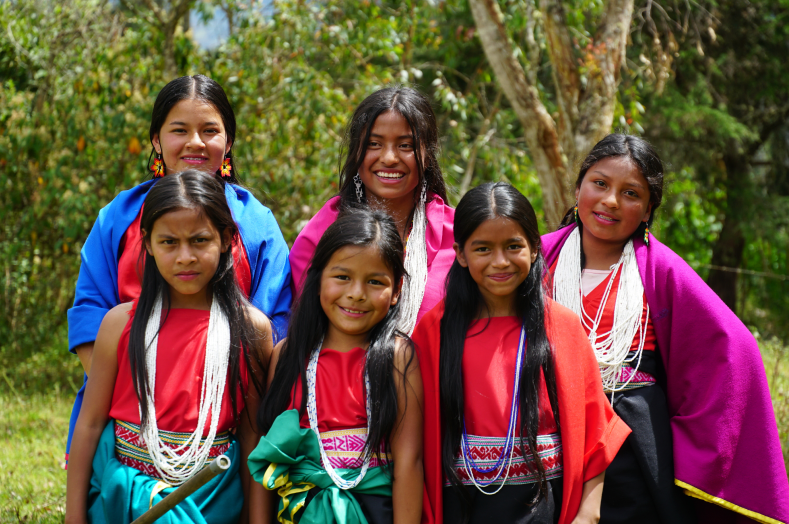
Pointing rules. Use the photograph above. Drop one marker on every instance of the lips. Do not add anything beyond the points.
(389, 177)
(194, 159)
(501, 277)
(355, 313)
(187, 275)
(605, 218)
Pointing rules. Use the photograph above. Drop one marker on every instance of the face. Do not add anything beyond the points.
(499, 258)
(613, 199)
(357, 290)
(389, 169)
(186, 247)
(193, 136)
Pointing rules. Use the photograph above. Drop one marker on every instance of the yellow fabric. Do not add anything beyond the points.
(698, 494)
(160, 486)
(285, 488)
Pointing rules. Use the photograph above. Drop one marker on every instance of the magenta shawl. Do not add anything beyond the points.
(726, 445)
(439, 238)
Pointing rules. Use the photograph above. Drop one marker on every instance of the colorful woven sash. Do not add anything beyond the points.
(344, 448)
(523, 470)
(131, 450)
(637, 378)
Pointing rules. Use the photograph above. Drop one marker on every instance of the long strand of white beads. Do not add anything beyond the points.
(611, 348)
(312, 414)
(173, 467)
(415, 267)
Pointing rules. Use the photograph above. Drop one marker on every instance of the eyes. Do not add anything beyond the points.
(372, 281)
(511, 247)
(208, 131)
(627, 192)
(377, 144)
(195, 240)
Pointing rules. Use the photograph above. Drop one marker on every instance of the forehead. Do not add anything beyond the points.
(193, 110)
(359, 258)
(619, 168)
(499, 229)
(183, 219)
(391, 123)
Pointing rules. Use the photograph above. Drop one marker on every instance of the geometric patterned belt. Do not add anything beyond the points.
(131, 450)
(486, 451)
(637, 378)
(344, 448)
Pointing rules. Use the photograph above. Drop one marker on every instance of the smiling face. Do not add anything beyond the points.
(186, 247)
(613, 200)
(193, 136)
(389, 170)
(357, 290)
(499, 258)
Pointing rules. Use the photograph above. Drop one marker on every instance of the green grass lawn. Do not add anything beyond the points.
(36, 399)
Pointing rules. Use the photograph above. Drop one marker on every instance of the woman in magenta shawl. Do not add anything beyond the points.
(681, 369)
(392, 164)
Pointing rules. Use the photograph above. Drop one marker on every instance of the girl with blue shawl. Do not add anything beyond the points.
(192, 126)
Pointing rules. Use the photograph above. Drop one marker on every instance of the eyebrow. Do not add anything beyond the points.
(632, 184)
(184, 123)
(340, 268)
(483, 242)
(399, 137)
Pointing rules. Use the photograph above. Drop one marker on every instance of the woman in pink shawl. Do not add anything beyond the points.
(678, 365)
(392, 164)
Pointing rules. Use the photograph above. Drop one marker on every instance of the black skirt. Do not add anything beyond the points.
(377, 509)
(639, 484)
(513, 504)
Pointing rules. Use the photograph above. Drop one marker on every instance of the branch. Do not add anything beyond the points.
(565, 70)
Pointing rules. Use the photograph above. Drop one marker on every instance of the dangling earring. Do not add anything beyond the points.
(646, 234)
(226, 168)
(575, 211)
(158, 166)
(357, 180)
(423, 196)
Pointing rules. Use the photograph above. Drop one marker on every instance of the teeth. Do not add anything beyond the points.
(352, 310)
(605, 218)
(390, 175)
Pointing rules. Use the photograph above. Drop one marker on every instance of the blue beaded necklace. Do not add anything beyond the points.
(509, 443)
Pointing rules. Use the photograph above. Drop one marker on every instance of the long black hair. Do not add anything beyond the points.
(642, 154)
(196, 87)
(361, 227)
(464, 303)
(192, 189)
(417, 111)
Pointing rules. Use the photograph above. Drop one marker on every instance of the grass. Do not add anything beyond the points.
(36, 395)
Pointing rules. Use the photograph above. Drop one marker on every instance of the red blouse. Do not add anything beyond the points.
(339, 391)
(180, 359)
(130, 265)
(489, 358)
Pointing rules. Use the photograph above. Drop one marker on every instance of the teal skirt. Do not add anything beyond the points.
(120, 494)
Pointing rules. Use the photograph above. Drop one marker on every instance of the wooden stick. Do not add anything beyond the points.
(218, 466)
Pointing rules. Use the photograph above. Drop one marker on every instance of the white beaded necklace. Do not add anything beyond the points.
(312, 414)
(416, 268)
(611, 348)
(175, 468)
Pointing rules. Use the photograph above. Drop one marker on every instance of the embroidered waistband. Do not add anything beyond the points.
(131, 449)
(344, 448)
(523, 470)
(631, 378)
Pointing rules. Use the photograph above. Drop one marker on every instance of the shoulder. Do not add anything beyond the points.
(128, 200)
(404, 354)
(119, 315)
(259, 320)
(239, 197)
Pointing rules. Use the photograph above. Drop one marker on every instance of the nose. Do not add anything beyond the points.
(610, 200)
(390, 156)
(500, 259)
(185, 254)
(196, 141)
(356, 291)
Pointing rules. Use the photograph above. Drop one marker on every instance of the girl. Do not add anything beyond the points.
(348, 449)
(172, 369)
(660, 334)
(192, 126)
(523, 416)
(392, 165)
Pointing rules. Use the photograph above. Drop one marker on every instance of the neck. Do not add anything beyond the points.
(399, 209)
(201, 300)
(497, 306)
(600, 254)
(343, 342)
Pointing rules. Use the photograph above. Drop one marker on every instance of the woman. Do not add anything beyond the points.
(392, 165)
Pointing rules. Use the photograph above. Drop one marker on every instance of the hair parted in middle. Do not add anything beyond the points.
(193, 189)
(464, 303)
(362, 227)
(417, 111)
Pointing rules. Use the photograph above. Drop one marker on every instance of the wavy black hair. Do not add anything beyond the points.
(417, 111)
(642, 154)
(192, 189)
(464, 303)
(363, 227)
(196, 87)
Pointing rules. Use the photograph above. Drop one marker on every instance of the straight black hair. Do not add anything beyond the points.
(196, 87)
(464, 303)
(363, 227)
(417, 111)
(192, 189)
(642, 154)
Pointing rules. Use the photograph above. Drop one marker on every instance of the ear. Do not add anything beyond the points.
(396, 294)
(227, 240)
(147, 242)
(577, 192)
(459, 255)
(648, 213)
(228, 146)
(156, 144)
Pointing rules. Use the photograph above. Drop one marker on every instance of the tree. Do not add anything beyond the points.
(585, 82)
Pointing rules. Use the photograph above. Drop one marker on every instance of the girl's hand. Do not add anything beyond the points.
(407, 488)
(589, 511)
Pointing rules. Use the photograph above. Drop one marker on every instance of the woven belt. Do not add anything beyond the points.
(637, 379)
(523, 470)
(344, 448)
(131, 450)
